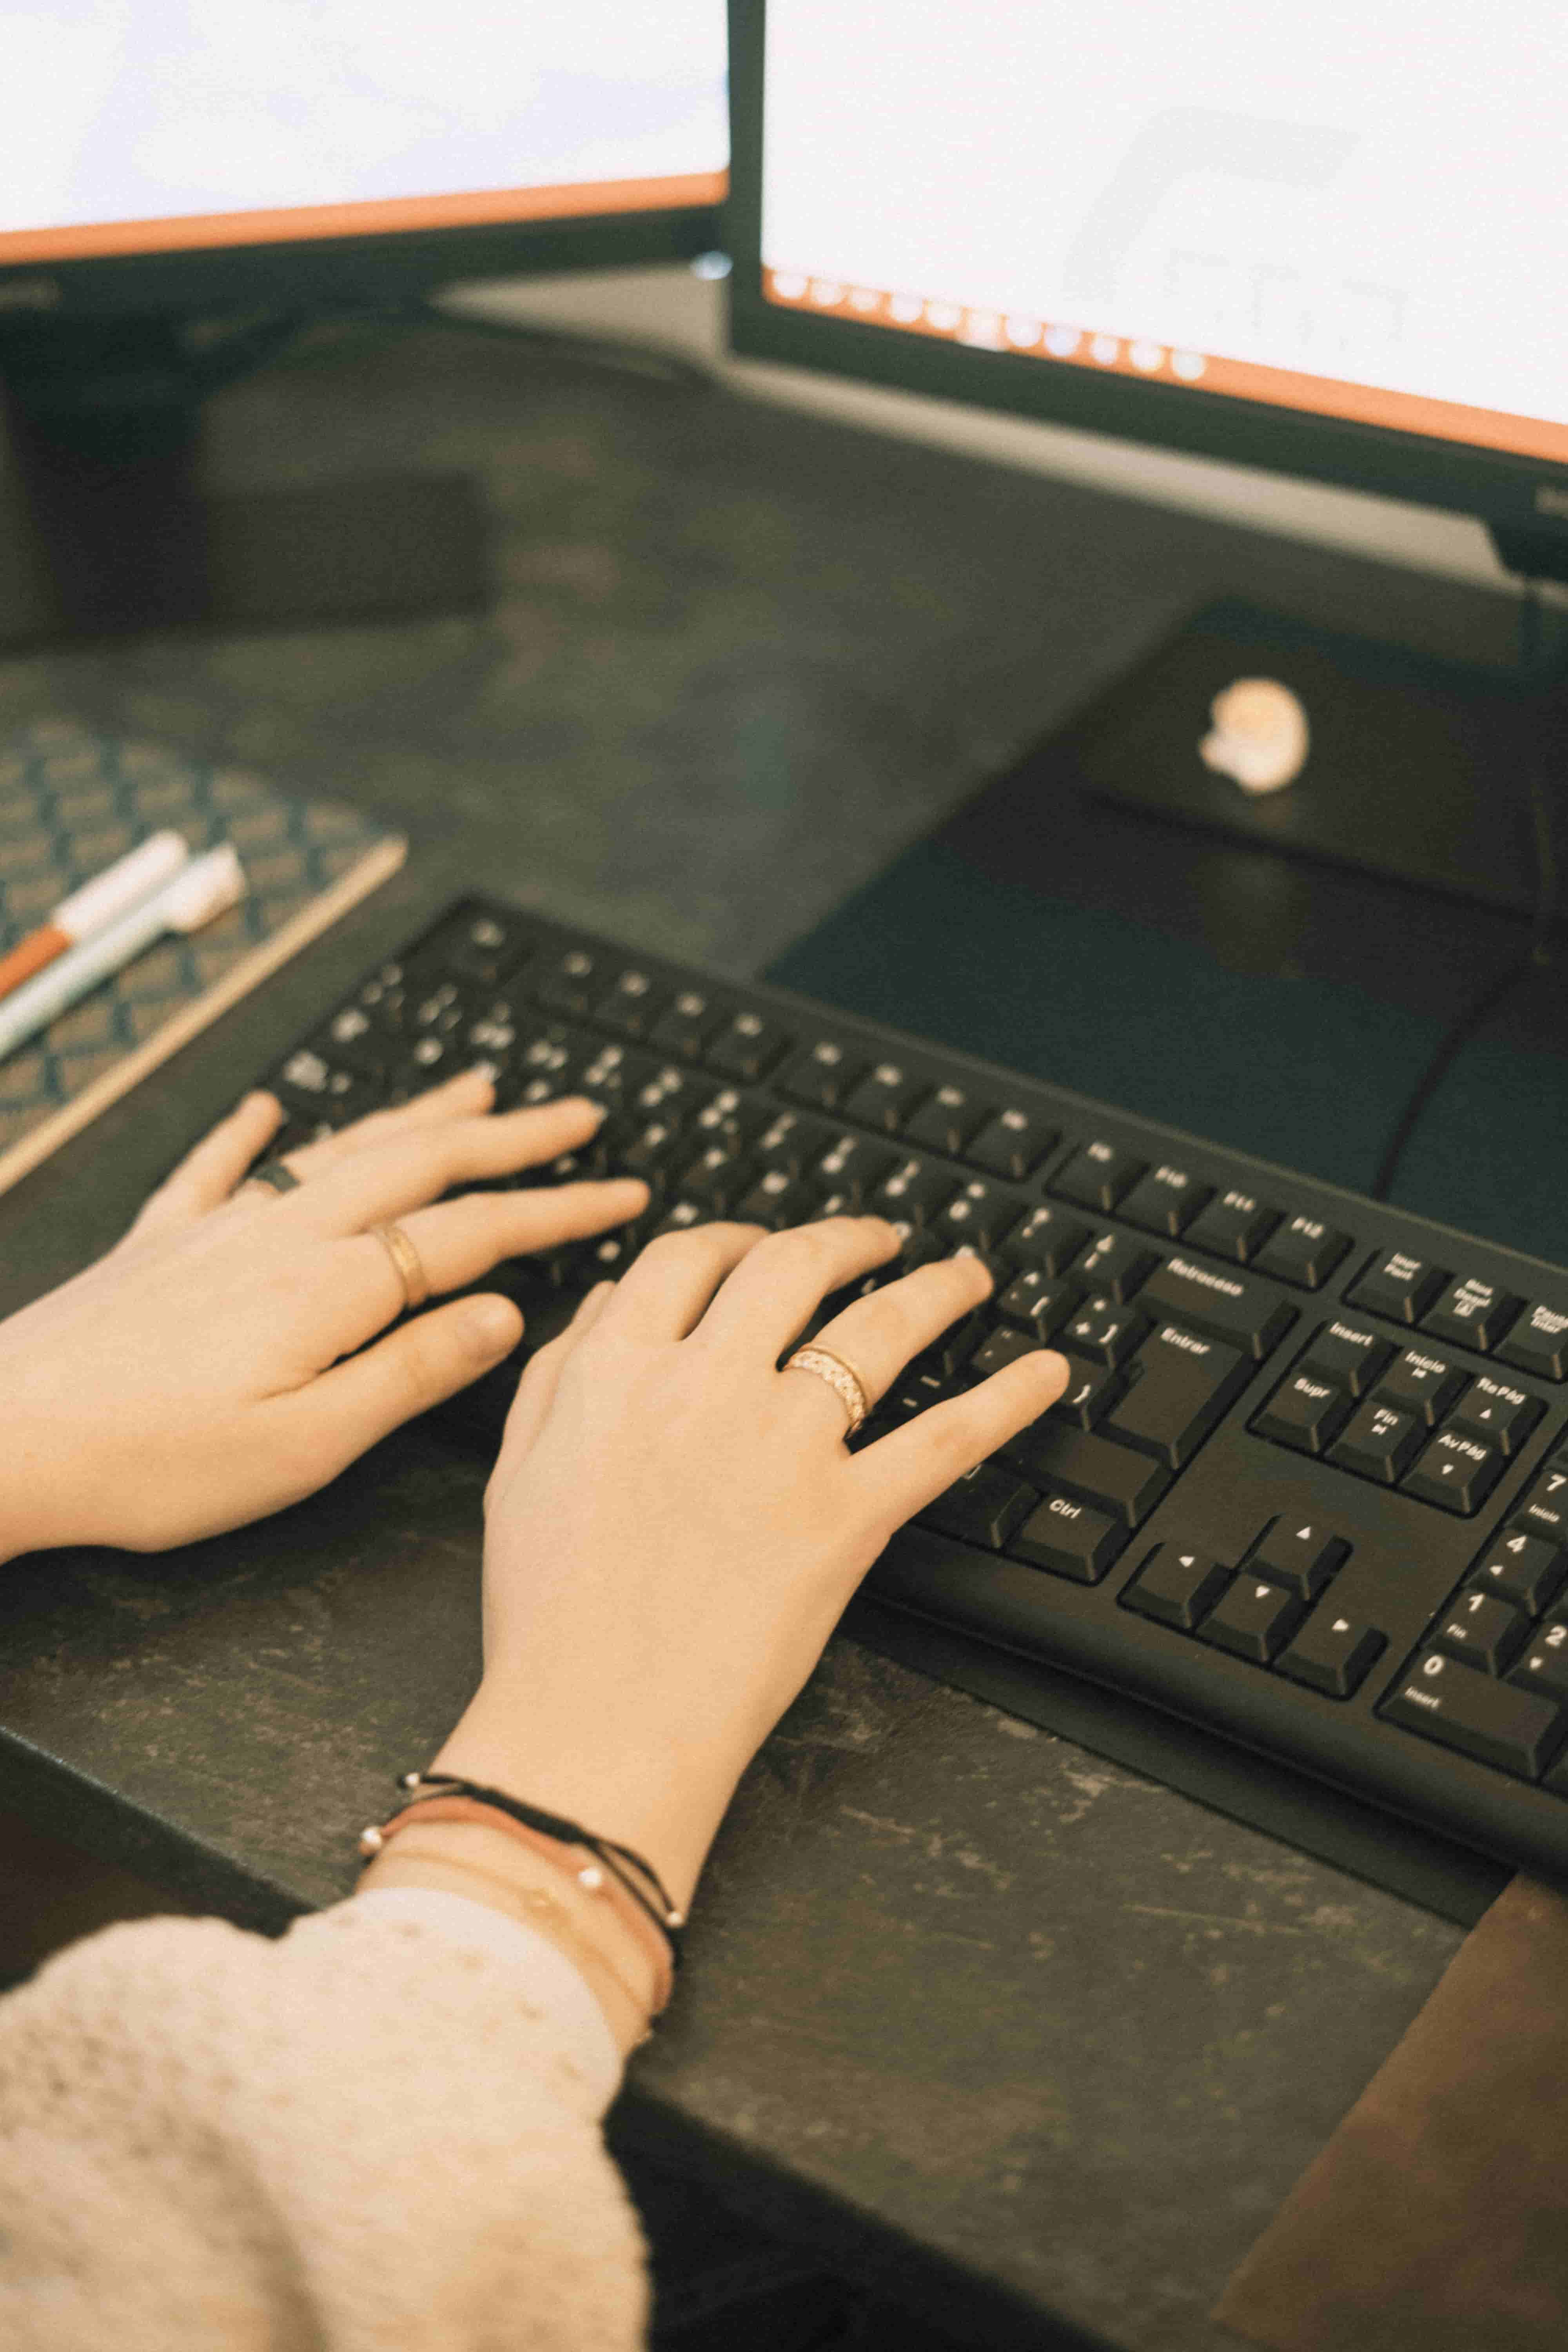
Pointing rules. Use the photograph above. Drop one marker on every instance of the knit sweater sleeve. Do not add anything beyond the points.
(380, 2134)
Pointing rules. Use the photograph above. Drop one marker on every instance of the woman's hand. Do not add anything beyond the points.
(675, 1525)
(192, 1380)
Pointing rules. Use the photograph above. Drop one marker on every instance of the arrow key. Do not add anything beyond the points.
(1254, 1619)
(1455, 1472)
(1300, 1554)
(1176, 1587)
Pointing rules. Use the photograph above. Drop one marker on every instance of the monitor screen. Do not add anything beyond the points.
(142, 127)
(1349, 218)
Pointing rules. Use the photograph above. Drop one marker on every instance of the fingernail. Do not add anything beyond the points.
(1058, 1364)
(492, 1325)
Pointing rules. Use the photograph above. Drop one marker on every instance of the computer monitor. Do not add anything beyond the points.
(177, 176)
(1327, 242)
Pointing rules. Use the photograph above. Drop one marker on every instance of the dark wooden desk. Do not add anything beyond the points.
(1040, 2041)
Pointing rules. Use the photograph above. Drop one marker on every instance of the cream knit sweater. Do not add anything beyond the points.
(380, 2134)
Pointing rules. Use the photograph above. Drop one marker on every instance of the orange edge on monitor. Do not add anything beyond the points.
(1155, 362)
(580, 199)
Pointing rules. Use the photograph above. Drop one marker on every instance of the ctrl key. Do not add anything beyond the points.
(1069, 1540)
(1515, 1729)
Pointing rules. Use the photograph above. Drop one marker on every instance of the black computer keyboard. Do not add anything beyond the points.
(1308, 1486)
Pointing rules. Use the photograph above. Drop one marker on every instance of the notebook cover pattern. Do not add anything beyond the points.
(71, 802)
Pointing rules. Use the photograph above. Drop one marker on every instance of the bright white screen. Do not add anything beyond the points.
(161, 111)
(1356, 193)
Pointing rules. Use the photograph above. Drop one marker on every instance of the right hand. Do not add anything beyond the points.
(675, 1525)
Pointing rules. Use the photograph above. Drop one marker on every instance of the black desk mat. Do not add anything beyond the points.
(1284, 1011)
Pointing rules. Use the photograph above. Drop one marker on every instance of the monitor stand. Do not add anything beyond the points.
(1417, 768)
(106, 531)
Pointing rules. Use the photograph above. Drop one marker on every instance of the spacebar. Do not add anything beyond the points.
(1067, 1461)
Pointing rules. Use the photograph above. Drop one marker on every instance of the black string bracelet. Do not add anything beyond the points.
(666, 1915)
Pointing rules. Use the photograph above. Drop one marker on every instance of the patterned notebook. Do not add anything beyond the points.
(71, 802)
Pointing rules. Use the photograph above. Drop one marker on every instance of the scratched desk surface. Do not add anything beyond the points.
(1027, 2036)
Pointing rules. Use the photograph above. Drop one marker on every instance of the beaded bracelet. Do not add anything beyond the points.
(612, 1864)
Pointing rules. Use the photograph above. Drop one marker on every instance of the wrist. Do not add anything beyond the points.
(640, 1786)
(488, 1867)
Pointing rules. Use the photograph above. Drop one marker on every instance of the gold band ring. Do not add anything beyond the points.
(841, 1377)
(409, 1265)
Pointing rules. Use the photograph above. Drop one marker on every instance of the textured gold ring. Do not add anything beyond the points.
(407, 1260)
(841, 1377)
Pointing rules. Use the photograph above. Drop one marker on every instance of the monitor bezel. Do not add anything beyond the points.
(1497, 487)
(326, 274)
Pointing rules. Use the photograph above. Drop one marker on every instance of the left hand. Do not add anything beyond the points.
(214, 1366)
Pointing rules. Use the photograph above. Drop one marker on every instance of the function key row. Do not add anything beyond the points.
(1467, 1312)
(1168, 1201)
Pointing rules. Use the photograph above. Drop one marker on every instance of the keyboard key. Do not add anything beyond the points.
(1475, 1314)
(1234, 1225)
(1544, 1511)
(734, 1119)
(631, 1006)
(570, 982)
(1496, 1413)
(883, 1099)
(1455, 1472)
(982, 1213)
(1349, 1355)
(822, 1075)
(1398, 1286)
(1096, 1177)
(1253, 1620)
(1304, 1413)
(718, 1177)
(1522, 1567)
(1545, 1666)
(1117, 1265)
(916, 1190)
(1164, 1202)
(1059, 1460)
(945, 1121)
(1036, 1303)
(1422, 1385)
(747, 1048)
(792, 1143)
(1069, 1540)
(1332, 1654)
(1046, 1238)
(1103, 1331)
(1236, 1307)
(1013, 1144)
(1482, 1630)
(648, 1152)
(1179, 1386)
(1379, 1443)
(1003, 1346)
(950, 1352)
(1538, 1343)
(1090, 1391)
(1304, 1251)
(483, 945)
(685, 1027)
(1517, 1730)
(1300, 1554)
(983, 1508)
(1176, 1587)
(856, 1166)
(777, 1200)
